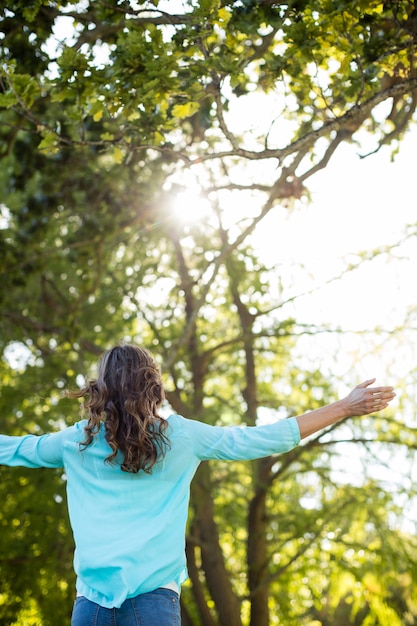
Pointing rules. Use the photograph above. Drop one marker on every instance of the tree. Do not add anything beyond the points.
(107, 111)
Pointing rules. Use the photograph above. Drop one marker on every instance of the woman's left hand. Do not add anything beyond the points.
(364, 399)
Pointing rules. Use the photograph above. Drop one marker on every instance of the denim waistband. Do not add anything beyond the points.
(172, 585)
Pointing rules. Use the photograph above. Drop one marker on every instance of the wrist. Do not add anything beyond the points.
(343, 409)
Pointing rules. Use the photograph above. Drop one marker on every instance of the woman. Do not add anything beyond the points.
(128, 477)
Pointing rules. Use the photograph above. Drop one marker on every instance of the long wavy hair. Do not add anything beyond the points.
(126, 396)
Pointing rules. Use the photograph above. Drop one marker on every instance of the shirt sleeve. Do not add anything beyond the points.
(34, 450)
(242, 443)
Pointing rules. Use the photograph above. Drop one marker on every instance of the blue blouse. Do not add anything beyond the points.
(129, 529)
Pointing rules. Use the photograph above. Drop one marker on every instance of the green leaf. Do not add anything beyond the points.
(49, 144)
(182, 111)
(7, 100)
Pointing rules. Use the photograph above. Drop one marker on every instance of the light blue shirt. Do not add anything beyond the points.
(129, 529)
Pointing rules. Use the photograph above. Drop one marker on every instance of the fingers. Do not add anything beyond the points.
(376, 390)
(380, 397)
(382, 392)
(366, 383)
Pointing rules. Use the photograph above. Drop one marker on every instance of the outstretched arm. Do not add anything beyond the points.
(360, 401)
(35, 450)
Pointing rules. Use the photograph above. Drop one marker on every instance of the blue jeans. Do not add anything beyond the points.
(157, 608)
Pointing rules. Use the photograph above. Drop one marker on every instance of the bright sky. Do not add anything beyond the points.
(357, 205)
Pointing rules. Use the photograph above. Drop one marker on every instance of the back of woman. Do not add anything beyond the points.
(128, 482)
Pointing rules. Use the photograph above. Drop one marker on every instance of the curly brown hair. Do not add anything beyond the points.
(127, 395)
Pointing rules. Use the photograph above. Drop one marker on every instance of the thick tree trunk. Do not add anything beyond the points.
(212, 560)
(256, 544)
(197, 586)
(257, 549)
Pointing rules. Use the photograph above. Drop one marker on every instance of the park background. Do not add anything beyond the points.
(231, 184)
